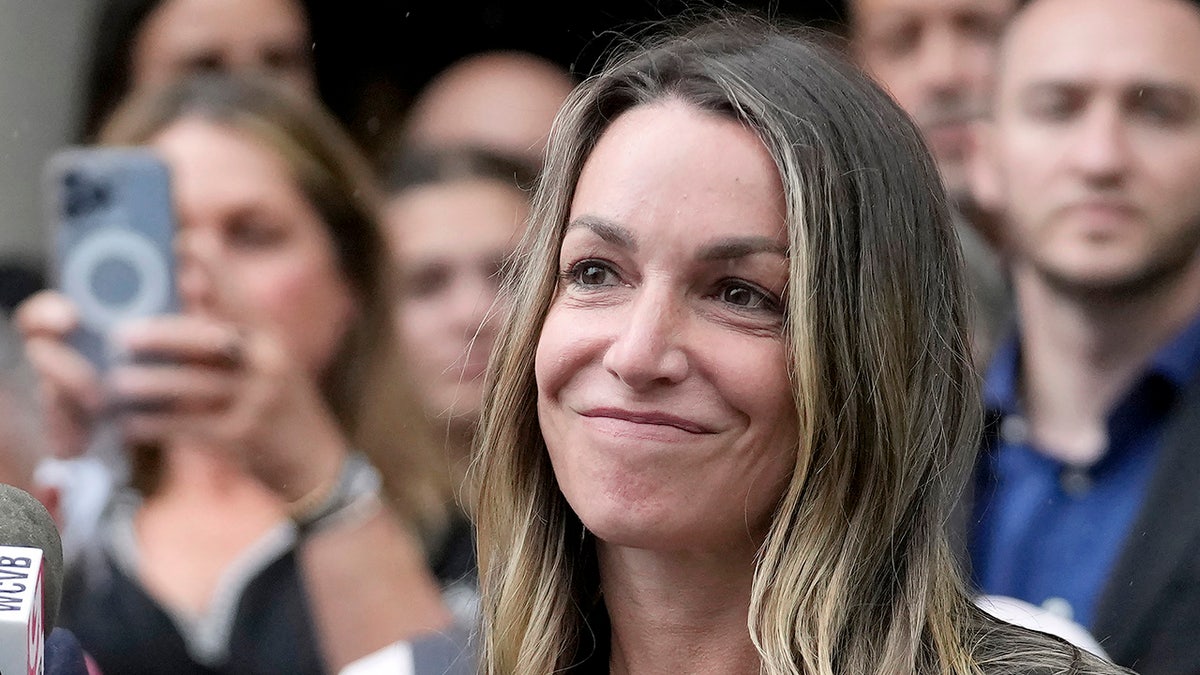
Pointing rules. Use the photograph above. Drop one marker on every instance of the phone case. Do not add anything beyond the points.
(113, 228)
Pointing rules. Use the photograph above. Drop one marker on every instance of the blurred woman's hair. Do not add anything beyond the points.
(856, 574)
(366, 385)
(416, 166)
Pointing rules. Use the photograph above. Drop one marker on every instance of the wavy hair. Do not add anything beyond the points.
(856, 574)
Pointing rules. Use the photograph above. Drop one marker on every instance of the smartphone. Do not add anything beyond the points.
(113, 229)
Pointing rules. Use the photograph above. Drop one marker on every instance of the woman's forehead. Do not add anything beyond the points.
(672, 162)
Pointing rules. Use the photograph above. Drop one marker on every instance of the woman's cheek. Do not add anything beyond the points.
(561, 350)
(310, 307)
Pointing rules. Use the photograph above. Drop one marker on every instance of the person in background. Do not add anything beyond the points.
(502, 101)
(139, 43)
(453, 217)
(937, 59)
(731, 407)
(282, 482)
(148, 42)
(1087, 499)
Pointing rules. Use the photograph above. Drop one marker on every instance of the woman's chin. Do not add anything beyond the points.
(644, 528)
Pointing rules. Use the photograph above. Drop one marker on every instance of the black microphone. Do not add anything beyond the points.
(31, 576)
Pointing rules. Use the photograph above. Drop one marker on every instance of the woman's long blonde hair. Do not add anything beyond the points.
(856, 575)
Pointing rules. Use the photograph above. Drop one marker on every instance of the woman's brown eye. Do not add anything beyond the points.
(743, 297)
(205, 63)
(283, 58)
(592, 273)
(254, 232)
(747, 296)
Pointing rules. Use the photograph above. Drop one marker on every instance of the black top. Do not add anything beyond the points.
(127, 632)
(454, 560)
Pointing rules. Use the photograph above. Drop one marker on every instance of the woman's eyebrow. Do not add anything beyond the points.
(606, 229)
(739, 247)
(727, 248)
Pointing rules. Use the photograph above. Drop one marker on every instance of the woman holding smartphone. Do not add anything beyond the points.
(283, 496)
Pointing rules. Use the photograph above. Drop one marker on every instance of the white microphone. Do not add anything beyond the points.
(22, 618)
(30, 581)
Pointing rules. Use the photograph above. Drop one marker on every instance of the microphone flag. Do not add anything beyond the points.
(22, 634)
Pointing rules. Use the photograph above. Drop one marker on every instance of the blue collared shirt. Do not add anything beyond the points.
(1049, 533)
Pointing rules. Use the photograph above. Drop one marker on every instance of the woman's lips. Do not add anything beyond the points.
(648, 417)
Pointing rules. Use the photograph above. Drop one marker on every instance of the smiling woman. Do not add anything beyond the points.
(733, 402)
(659, 363)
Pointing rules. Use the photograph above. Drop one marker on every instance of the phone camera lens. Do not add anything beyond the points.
(100, 195)
(83, 196)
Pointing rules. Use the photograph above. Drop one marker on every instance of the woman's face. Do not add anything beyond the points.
(663, 389)
(180, 37)
(449, 241)
(252, 247)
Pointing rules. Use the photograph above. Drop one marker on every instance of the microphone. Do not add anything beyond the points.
(31, 573)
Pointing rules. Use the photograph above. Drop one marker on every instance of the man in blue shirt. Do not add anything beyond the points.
(1087, 498)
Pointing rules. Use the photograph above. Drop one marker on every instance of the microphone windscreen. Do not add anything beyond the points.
(24, 522)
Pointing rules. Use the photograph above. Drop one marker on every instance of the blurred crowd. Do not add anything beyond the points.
(277, 478)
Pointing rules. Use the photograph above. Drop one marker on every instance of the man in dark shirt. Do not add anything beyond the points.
(1087, 499)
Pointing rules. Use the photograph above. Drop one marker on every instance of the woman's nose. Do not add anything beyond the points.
(195, 265)
(648, 349)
